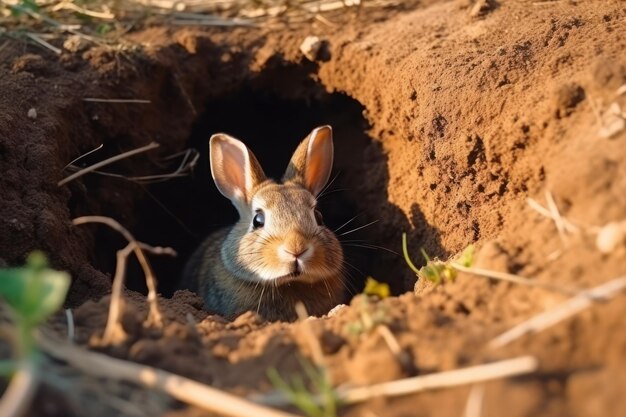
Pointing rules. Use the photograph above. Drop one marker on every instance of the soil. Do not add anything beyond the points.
(447, 119)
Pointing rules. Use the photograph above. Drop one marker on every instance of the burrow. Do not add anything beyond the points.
(190, 97)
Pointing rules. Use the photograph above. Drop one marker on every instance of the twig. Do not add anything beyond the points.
(81, 10)
(474, 405)
(312, 341)
(473, 374)
(180, 388)
(552, 212)
(70, 324)
(43, 43)
(154, 315)
(401, 356)
(117, 100)
(78, 158)
(504, 276)
(114, 332)
(108, 161)
(563, 311)
(185, 95)
(186, 166)
(20, 392)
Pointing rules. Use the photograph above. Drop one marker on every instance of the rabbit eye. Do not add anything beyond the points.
(258, 220)
(319, 218)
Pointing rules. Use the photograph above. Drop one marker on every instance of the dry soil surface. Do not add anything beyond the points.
(447, 122)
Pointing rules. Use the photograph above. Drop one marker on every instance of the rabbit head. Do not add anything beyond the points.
(280, 236)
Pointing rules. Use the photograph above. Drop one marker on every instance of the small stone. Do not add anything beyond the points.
(336, 310)
(311, 48)
(481, 8)
(610, 236)
(75, 44)
(611, 125)
(32, 113)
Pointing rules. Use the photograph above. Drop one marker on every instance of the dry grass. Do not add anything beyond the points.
(106, 22)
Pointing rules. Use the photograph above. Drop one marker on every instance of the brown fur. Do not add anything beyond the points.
(244, 268)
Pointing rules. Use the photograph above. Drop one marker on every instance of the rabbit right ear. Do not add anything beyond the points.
(234, 169)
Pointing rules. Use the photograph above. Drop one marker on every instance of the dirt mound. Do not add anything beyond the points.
(446, 121)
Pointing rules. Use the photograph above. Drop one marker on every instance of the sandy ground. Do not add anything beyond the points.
(445, 125)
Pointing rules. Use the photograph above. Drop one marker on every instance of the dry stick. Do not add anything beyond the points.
(180, 388)
(20, 392)
(504, 276)
(314, 344)
(186, 166)
(117, 100)
(473, 374)
(81, 10)
(70, 324)
(566, 224)
(556, 216)
(43, 43)
(463, 376)
(108, 161)
(114, 332)
(401, 356)
(563, 311)
(474, 405)
(78, 158)
(154, 316)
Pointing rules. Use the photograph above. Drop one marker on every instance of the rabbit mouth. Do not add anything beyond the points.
(292, 276)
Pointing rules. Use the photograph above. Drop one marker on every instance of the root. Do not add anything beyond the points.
(108, 161)
(563, 311)
(114, 332)
(178, 387)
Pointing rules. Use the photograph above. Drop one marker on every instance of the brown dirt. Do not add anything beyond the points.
(445, 124)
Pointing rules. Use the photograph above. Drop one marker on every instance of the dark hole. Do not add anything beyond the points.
(183, 212)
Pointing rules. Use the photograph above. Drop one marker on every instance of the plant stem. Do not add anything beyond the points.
(19, 394)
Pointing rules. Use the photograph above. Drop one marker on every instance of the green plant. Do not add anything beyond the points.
(315, 399)
(436, 270)
(32, 293)
(370, 315)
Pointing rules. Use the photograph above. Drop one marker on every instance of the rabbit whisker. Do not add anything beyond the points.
(258, 308)
(368, 246)
(346, 223)
(358, 228)
(321, 193)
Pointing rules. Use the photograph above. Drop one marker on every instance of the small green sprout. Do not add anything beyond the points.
(33, 293)
(435, 270)
(320, 400)
(23, 7)
(370, 315)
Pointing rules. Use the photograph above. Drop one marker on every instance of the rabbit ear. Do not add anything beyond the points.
(312, 161)
(234, 169)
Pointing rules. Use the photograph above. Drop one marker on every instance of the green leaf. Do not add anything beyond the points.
(23, 7)
(7, 367)
(34, 291)
(467, 256)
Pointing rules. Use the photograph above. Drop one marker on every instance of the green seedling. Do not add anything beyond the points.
(370, 315)
(317, 398)
(33, 293)
(435, 270)
(23, 7)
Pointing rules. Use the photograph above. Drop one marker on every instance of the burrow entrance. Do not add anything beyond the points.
(271, 114)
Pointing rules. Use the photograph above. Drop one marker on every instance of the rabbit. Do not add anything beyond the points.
(279, 252)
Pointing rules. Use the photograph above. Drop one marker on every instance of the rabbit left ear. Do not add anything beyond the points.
(234, 168)
(312, 161)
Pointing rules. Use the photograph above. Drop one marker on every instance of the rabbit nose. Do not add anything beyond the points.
(297, 252)
(295, 246)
